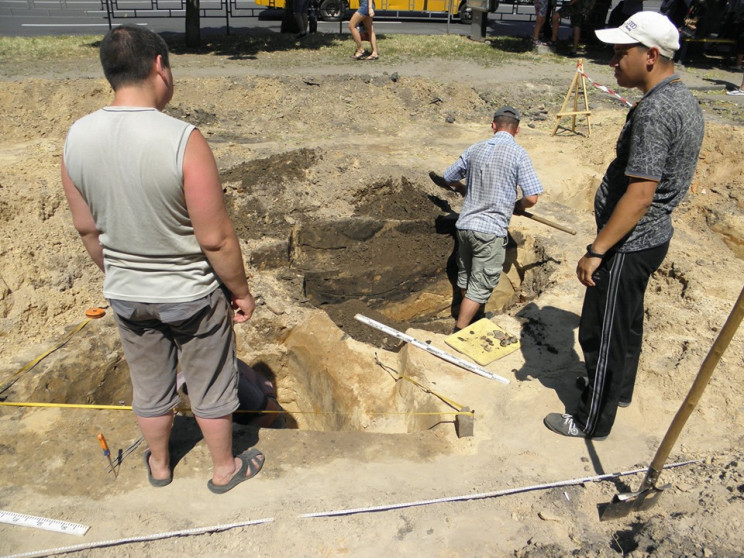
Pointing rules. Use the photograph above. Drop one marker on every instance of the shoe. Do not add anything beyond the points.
(563, 424)
(302, 35)
(737, 92)
(372, 57)
(583, 381)
(538, 43)
(247, 458)
(157, 483)
(566, 425)
(358, 55)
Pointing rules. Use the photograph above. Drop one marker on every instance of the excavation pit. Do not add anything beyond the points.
(391, 260)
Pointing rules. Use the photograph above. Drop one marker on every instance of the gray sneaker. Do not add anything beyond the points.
(563, 424)
(566, 425)
(737, 92)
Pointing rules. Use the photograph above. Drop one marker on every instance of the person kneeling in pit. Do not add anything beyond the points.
(258, 406)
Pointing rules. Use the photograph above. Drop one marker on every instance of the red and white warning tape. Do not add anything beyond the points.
(580, 69)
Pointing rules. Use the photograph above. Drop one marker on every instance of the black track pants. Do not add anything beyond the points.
(611, 334)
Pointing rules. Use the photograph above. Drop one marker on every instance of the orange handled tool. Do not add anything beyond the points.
(106, 452)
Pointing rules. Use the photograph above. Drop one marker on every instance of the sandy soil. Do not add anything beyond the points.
(326, 169)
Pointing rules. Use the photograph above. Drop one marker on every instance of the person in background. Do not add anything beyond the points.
(493, 170)
(675, 10)
(733, 28)
(364, 16)
(623, 10)
(541, 11)
(577, 11)
(300, 12)
(737, 92)
(145, 195)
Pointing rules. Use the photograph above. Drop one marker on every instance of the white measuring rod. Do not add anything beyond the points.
(429, 349)
(13, 518)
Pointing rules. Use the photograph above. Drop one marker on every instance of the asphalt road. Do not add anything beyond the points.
(30, 18)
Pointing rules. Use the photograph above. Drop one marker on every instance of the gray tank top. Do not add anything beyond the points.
(127, 163)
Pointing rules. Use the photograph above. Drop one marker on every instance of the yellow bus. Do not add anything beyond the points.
(332, 10)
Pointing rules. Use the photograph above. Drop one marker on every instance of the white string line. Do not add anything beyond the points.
(484, 495)
(225, 527)
(143, 538)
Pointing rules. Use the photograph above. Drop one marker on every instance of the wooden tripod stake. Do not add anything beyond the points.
(578, 79)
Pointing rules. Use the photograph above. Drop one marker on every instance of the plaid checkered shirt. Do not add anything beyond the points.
(493, 169)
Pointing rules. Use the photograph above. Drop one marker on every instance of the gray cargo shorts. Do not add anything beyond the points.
(480, 259)
(198, 336)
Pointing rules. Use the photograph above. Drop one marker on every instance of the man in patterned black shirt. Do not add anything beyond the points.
(656, 156)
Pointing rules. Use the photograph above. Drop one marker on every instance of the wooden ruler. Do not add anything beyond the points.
(45, 523)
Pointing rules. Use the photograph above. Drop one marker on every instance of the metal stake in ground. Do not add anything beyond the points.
(432, 350)
(648, 493)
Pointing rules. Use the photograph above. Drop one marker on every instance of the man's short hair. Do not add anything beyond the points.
(127, 54)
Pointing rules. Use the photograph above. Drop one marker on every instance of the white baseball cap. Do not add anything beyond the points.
(651, 29)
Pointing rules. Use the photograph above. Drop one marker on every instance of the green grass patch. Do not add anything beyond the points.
(285, 49)
(394, 48)
(48, 48)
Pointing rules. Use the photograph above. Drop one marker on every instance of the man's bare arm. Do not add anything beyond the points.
(460, 187)
(212, 226)
(82, 219)
(524, 203)
(628, 211)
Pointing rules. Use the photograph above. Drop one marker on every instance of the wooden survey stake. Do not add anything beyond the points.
(577, 87)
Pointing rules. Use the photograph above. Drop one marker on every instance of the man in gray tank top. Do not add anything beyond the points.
(655, 161)
(145, 196)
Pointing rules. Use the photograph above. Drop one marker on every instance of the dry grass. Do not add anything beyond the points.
(243, 46)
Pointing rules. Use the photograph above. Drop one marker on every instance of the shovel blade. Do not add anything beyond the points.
(624, 504)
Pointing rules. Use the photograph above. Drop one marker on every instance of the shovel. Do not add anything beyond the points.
(647, 495)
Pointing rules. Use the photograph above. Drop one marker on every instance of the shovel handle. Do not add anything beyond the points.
(545, 221)
(698, 386)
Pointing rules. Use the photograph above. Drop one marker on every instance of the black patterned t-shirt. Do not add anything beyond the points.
(660, 141)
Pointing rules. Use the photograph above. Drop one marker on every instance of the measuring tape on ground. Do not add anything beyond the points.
(429, 349)
(45, 523)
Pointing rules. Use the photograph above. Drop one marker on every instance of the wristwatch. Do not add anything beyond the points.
(592, 254)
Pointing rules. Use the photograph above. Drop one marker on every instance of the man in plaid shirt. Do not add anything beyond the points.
(493, 170)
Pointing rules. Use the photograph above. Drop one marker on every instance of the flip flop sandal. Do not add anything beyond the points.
(358, 56)
(157, 483)
(372, 58)
(247, 458)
